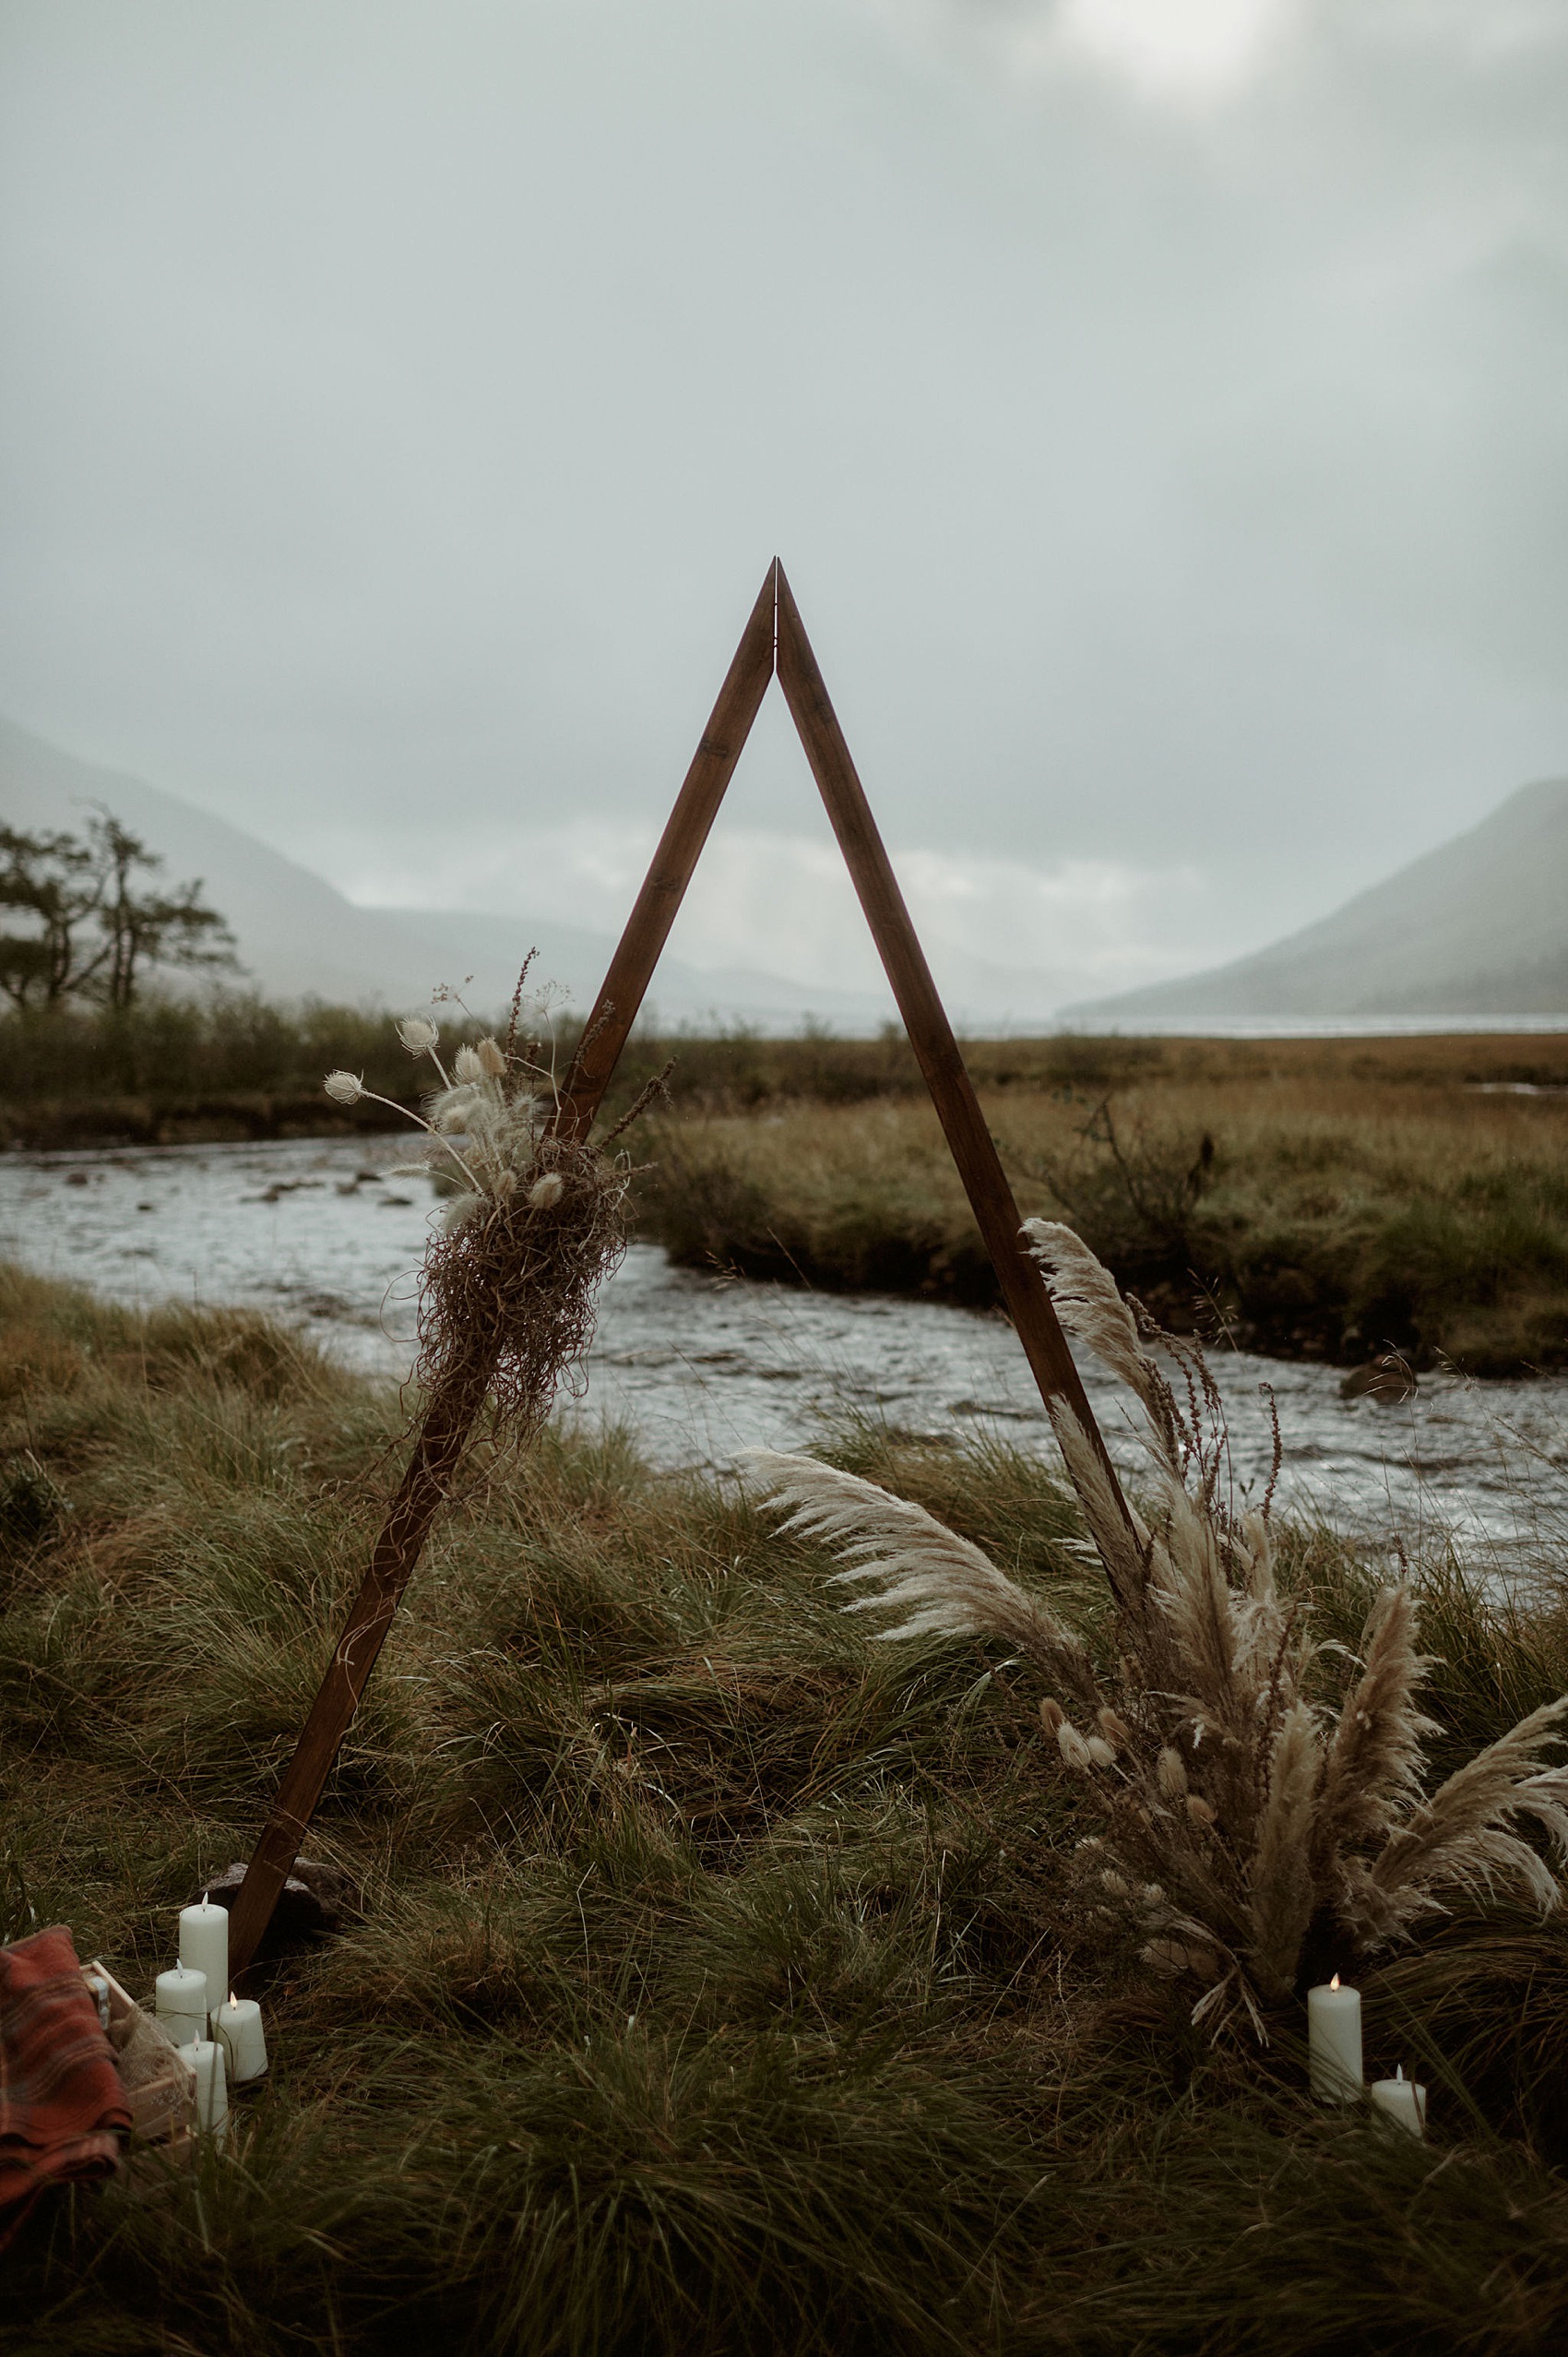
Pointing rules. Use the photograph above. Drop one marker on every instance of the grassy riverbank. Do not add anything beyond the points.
(1322, 1199)
(721, 1984)
(169, 1071)
(173, 1071)
(183, 1071)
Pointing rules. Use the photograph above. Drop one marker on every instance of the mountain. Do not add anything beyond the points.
(1478, 927)
(454, 942)
(296, 934)
(298, 937)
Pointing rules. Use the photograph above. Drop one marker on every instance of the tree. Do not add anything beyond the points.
(143, 929)
(95, 928)
(53, 880)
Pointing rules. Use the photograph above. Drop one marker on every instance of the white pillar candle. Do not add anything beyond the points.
(180, 2003)
(204, 1945)
(1403, 2101)
(205, 2058)
(1334, 2042)
(240, 2033)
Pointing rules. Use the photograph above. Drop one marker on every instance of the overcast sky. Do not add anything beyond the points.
(1160, 408)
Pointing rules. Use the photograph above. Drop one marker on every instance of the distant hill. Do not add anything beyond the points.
(299, 938)
(1479, 926)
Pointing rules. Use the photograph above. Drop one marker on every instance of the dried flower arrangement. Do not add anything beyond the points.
(1239, 1816)
(531, 1223)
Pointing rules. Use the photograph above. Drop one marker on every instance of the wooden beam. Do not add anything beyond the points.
(449, 1416)
(679, 848)
(438, 1445)
(773, 637)
(930, 1034)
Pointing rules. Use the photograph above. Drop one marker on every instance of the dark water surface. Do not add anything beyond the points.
(321, 1234)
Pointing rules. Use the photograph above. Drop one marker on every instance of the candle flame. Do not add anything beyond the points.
(1335, 1983)
(1398, 2070)
(233, 2000)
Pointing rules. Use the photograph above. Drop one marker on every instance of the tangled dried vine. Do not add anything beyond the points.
(507, 1301)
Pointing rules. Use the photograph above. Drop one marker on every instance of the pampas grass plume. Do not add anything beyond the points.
(1308, 1815)
(941, 1583)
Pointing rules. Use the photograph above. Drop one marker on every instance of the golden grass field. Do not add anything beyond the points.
(1332, 1199)
(1355, 1196)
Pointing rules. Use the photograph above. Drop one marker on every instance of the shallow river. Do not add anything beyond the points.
(320, 1233)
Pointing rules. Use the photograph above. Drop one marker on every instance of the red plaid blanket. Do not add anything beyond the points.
(63, 2113)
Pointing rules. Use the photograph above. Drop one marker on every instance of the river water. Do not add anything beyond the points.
(322, 1234)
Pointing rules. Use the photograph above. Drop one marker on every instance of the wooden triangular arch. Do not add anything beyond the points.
(774, 641)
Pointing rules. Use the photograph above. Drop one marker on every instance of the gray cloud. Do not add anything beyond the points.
(405, 400)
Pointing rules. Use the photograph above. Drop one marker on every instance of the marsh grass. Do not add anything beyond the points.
(720, 1985)
(1312, 1212)
(1330, 1198)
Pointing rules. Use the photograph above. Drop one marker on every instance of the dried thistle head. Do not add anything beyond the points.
(1073, 1747)
(344, 1087)
(418, 1034)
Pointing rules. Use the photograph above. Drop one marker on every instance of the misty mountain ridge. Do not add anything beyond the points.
(299, 938)
(1477, 927)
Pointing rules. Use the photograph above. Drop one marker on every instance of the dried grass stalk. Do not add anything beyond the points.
(940, 1582)
(1371, 1773)
(1093, 1312)
(1238, 1812)
(1459, 1839)
(1281, 1893)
